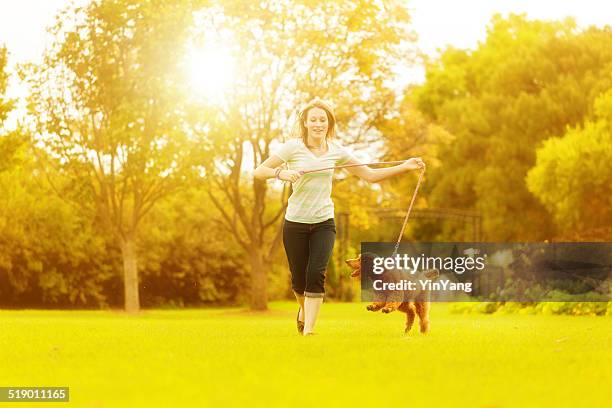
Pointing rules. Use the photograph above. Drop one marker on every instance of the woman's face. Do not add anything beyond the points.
(316, 123)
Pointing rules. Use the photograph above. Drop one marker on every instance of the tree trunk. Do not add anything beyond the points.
(259, 294)
(130, 275)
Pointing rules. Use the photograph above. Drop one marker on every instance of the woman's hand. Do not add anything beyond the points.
(289, 175)
(414, 163)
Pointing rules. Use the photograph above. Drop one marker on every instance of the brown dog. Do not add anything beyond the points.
(418, 304)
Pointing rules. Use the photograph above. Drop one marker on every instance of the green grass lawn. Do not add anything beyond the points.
(229, 357)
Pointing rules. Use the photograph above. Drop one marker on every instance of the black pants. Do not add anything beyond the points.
(308, 248)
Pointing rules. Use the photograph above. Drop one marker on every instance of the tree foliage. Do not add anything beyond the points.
(527, 82)
(572, 176)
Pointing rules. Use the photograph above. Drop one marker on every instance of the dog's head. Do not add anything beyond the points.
(355, 263)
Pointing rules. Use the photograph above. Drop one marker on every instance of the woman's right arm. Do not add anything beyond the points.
(267, 170)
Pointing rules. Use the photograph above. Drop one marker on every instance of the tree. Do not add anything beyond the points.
(107, 104)
(6, 105)
(288, 53)
(572, 176)
(47, 254)
(189, 260)
(528, 81)
(10, 142)
(410, 133)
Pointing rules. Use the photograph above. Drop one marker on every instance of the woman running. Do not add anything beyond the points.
(309, 230)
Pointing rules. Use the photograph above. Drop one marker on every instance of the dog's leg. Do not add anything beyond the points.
(410, 315)
(375, 306)
(422, 309)
(390, 307)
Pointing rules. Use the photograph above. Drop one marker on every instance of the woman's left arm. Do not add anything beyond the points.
(375, 175)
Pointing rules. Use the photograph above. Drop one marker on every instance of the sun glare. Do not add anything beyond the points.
(211, 71)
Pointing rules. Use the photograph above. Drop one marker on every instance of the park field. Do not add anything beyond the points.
(232, 357)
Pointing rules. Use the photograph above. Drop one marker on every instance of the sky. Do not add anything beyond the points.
(438, 23)
(463, 23)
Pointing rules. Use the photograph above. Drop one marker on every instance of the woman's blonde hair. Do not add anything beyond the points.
(300, 129)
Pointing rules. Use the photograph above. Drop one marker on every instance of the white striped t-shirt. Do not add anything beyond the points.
(311, 201)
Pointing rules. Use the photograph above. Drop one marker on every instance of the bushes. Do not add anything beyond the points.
(544, 308)
(51, 256)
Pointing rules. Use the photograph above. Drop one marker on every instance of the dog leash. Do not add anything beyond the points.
(416, 189)
(351, 165)
(414, 194)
